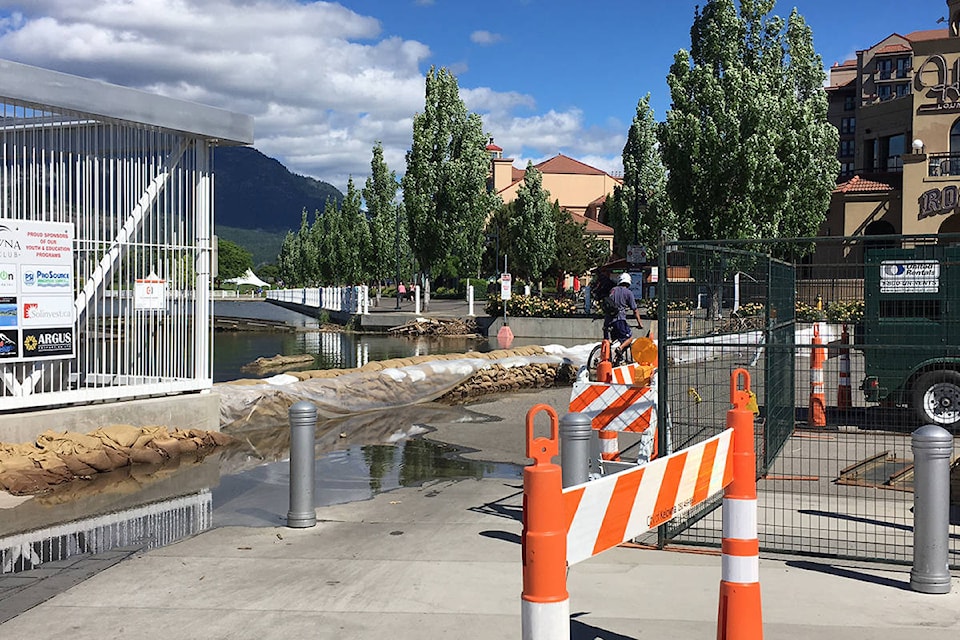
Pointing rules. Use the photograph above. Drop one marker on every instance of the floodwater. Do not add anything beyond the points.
(247, 484)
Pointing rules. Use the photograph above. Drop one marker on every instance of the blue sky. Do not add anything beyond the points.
(325, 80)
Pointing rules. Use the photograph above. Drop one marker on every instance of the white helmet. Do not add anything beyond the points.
(625, 279)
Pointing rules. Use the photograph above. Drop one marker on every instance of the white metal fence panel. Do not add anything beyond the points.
(139, 201)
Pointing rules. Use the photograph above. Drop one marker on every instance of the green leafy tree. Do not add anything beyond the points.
(444, 188)
(354, 238)
(287, 269)
(747, 145)
(387, 236)
(533, 226)
(232, 259)
(749, 151)
(577, 251)
(639, 210)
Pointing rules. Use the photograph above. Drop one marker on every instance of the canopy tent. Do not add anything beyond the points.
(248, 278)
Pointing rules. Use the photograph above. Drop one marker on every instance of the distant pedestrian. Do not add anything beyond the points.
(401, 292)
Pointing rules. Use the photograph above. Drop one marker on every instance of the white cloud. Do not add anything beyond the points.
(485, 37)
(322, 82)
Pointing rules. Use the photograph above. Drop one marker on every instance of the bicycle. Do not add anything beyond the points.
(617, 357)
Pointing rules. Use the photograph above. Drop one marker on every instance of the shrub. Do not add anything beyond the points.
(845, 311)
(521, 306)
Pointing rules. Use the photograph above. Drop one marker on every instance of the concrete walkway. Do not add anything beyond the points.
(443, 561)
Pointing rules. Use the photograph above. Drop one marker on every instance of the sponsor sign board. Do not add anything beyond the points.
(909, 276)
(150, 293)
(36, 290)
(505, 283)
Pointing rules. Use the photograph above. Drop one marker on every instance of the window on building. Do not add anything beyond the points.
(846, 169)
(903, 89)
(896, 145)
(846, 148)
(903, 67)
(848, 125)
(884, 68)
(884, 92)
(955, 138)
(849, 103)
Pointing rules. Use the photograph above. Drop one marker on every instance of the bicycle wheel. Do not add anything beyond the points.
(594, 358)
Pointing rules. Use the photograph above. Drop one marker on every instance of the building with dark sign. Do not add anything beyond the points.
(897, 107)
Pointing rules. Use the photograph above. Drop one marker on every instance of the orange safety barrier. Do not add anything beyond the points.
(817, 411)
(605, 367)
(545, 603)
(740, 615)
(844, 394)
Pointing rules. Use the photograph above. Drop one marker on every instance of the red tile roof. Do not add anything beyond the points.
(493, 147)
(929, 34)
(593, 227)
(564, 164)
(859, 185)
(893, 48)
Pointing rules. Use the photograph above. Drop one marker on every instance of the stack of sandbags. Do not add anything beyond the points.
(57, 457)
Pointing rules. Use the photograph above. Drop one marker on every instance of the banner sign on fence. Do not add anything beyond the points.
(36, 290)
(150, 293)
(909, 276)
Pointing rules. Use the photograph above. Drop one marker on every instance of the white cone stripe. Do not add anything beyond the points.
(583, 532)
(745, 570)
(609, 445)
(816, 376)
(739, 519)
(545, 620)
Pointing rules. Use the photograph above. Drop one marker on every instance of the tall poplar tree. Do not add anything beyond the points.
(747, 145)
(639, 210)
(445, 193)
(532, 226)
(379, 193)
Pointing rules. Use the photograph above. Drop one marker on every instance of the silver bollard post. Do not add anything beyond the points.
(303, 426)
(575, 433)
(932, 447)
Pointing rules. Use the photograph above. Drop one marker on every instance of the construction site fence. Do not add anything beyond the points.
(835, 468)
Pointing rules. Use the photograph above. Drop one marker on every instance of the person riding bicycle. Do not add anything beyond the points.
(615, 307)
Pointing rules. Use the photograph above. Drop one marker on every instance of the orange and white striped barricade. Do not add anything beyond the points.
(604, 513)
(740, 616)
(817, 411)
(545, 603)
(613, 408)
(844, 393)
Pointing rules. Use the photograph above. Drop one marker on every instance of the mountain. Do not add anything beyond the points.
(257, 192)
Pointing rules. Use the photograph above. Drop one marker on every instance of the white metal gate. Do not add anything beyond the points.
(130, 173)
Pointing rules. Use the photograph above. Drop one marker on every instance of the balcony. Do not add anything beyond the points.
(943, 164)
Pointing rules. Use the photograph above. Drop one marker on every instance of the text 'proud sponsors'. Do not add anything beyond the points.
(36, 290)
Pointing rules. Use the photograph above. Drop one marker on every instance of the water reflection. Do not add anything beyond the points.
(233, 350)
(358, 456)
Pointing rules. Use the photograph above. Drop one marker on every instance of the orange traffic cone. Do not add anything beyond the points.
(817, 412)
(844, 395)
(740, 616)
(605, 367)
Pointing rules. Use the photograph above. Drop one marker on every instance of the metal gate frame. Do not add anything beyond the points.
(838, 490)
(131, 173)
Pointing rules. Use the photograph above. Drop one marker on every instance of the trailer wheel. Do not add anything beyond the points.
(936, 398)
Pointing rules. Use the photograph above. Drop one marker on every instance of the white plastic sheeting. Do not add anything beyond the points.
(265, 403)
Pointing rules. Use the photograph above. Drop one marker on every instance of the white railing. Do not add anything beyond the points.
(353, 299)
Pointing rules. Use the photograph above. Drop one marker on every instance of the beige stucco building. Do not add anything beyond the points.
(897, 107)
(577, 187)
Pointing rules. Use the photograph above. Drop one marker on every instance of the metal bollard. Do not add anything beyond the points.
(932, 447)
(575, 435)
(303, 426)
